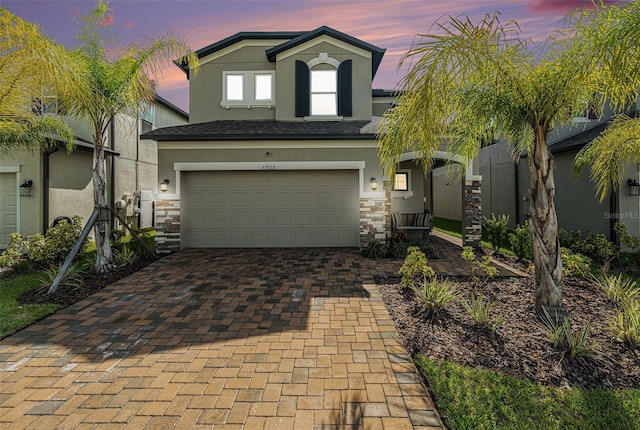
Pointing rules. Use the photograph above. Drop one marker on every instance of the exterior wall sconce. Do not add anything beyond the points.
(25, 188)
(164, 185)
(374, 184)
(634, 187)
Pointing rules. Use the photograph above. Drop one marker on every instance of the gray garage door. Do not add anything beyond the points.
(272, 209)
(8, 207)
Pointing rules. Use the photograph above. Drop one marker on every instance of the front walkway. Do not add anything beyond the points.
(253, 339)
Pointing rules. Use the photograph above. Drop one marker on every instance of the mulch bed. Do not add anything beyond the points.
(92, 282)
(520, 346)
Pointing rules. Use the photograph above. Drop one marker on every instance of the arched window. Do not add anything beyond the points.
(323, 88)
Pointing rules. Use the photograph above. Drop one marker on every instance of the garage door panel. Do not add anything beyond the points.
(272, 208)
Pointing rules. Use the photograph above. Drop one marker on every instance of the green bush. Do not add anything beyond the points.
(496, 229)
(596, 246)
(415, 268)
(625, 326)
(434, 294)
(125, 256)
(575, 264)
(50, 248)
(619, 289)
(375, 249)
(571, 344)
(481, 270)
(481, 313)
(72, 278)
(521, 242)
(626, 238)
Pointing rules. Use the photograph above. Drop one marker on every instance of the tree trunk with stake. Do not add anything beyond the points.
(101, 228)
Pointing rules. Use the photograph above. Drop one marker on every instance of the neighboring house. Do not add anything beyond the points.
(37, 187)
(281, 149)
(505, 185)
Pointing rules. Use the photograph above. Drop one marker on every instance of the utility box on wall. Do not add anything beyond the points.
(146, 208)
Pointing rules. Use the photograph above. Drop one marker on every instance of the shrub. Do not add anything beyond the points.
(625, 326)
(415, 268)
(496, 229)
(481, 270)
(14, 252)
(72, 278)
(626, 238)
(481, 313)
(521, 242)
(568, 238)
(575, 264)
(596, 246)
(125, 256)
(434, 294)
(52, 247)
(147, 235)
(570, 344)
(375, 249)
(619, 289)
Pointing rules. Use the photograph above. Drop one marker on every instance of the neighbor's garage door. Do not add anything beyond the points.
(8, 207)
(272, 208)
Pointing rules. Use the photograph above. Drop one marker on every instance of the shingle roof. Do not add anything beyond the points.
(263, 130)
(577, 141)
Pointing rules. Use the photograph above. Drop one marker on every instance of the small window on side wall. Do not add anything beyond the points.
(401, 181)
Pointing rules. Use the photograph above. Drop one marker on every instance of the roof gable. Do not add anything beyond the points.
(376, 53)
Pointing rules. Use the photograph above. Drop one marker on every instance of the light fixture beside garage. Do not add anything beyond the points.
(164, 185)
(25, 188)
(374, 184)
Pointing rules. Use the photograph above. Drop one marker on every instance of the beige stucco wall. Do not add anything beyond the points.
(257, 152)
(629, 206)
(404, 202)
(361, 83)
(70, 185)
(447, 195)
(205, 88)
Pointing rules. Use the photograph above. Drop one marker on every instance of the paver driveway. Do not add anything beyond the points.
(274, 339)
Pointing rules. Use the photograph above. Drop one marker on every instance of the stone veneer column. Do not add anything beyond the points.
(472, 217)
(375, 218)
(167, 225)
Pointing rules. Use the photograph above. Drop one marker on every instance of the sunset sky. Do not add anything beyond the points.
(389, 24)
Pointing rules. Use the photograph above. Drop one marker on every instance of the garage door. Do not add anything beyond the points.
(8, 207)
(272, 209)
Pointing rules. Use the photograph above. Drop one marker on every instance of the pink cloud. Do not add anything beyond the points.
(108, 20)
(554, 7)
(129, 25)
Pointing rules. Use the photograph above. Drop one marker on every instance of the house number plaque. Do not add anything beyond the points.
(269, 167)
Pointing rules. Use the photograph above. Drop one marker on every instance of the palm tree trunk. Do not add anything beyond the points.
(544, 229)
(102, 227)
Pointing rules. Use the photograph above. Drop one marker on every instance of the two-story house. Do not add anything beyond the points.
(38, 187)
(281, 149)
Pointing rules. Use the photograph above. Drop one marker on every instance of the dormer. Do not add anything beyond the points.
(321, 75)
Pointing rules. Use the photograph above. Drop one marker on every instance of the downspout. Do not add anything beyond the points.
(613, 219)
(45, 189)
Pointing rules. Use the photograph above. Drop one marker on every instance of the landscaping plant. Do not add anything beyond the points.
(434, 294)
(569, 343)
(375, 249)
(415, 268)
(619, 289)
(496, 228)
(481, 270)
(482, 313)
(625, 326)
(520, 241)
(575, 264)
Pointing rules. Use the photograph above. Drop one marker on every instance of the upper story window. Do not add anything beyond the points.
(324, 92)
(323, 88)
(47, 103)
(248, 89)
(147, 118)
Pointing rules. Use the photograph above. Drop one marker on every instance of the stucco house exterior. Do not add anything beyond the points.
(281, 149)
(37, 187)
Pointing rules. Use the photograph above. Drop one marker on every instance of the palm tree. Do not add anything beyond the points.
(29, 65)
(112, 86)
(472, 82)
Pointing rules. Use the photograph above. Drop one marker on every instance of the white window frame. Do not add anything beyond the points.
(324, 92)
(248, 90)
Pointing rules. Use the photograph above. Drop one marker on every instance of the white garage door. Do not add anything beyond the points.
(8, 207)
(272, 209)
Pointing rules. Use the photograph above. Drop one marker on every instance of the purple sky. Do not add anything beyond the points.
(390, 24)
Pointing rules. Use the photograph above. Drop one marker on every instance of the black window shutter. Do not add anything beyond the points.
(345, 98)
(302, 88)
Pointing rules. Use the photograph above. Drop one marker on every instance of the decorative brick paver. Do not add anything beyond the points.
(253, 339)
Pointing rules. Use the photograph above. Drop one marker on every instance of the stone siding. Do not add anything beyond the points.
(375, 218)
(472, 217)
(167, 226)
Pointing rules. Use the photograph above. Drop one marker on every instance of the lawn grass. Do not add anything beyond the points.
(15, 316)
(468, 398)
